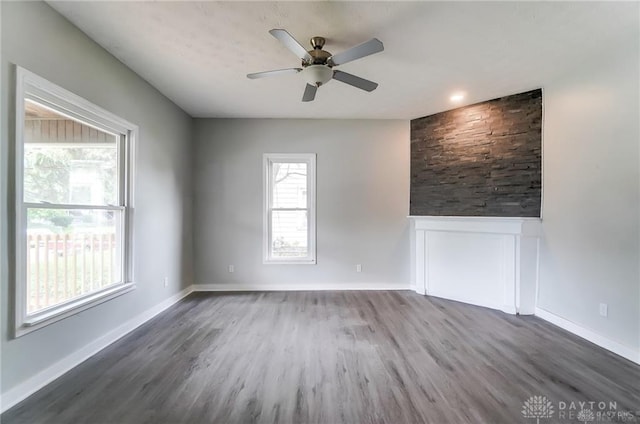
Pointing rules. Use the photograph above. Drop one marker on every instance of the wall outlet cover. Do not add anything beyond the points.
(604, 309)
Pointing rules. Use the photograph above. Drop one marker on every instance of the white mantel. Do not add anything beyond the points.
(485, 261)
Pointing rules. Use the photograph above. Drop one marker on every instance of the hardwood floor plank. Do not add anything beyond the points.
(332, 357)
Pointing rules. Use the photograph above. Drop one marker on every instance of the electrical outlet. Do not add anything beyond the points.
(232, 268)
(604, 309)
(166, 281)
(359, 268)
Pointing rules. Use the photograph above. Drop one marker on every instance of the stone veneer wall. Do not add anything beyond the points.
(479, 160)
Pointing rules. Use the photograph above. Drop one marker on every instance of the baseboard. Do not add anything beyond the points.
(298, 287)
(590, 335)
(46, 376)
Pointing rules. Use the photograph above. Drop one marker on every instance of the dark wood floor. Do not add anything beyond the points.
(333, 357)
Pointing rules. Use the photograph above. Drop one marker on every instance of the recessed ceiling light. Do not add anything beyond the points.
(456, 97)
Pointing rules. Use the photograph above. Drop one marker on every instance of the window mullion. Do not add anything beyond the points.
(31, 205)
(310, 204)
(289, 209)
(122, 175)
(270, 188)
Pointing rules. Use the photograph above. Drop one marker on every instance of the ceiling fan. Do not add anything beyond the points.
(317, 64)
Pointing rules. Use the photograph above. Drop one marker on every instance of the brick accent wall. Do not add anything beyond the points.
(479, 160)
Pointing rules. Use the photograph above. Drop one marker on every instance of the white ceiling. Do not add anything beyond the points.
(198, 53)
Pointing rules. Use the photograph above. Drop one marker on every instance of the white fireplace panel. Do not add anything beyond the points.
(490, 262)
(466, 267)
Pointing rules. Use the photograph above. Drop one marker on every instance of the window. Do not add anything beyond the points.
(73, 203)
(290, 215)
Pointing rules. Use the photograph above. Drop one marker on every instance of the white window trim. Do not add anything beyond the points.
(310, 160)
(30, 85)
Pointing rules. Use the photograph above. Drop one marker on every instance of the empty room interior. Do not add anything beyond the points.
(319, 212)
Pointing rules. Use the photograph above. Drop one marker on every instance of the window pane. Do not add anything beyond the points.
(70, 253)
(66, 161)
(289, 234)
(289, 185)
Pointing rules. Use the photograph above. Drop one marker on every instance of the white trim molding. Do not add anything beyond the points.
(31, 87)
(590, 335)
(25, 389)
(484, 261)
(298, 287)
(269, 160)
(72, 307)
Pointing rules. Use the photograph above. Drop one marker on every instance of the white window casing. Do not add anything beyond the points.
(37, 90)
(289, 214)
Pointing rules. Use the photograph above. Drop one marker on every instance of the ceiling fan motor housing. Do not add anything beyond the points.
(317, 42)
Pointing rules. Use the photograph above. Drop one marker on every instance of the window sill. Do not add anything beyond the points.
(289, 262)
(44, 318)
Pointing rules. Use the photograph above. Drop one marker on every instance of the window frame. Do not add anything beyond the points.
(310, 160)
(33, 87)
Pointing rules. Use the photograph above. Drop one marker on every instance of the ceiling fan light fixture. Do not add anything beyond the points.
(317, 74)
(317, 64)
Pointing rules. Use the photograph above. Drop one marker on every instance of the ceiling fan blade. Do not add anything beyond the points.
(291, 43)
(309, 93)
(355, 81)
(273, 73)
(365, 49)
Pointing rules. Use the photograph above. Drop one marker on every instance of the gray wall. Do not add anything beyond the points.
(590, 249)
(40, 40)
(479, 160)
(362, 198)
